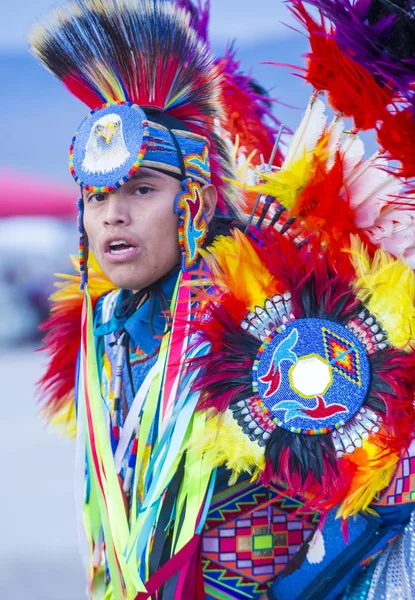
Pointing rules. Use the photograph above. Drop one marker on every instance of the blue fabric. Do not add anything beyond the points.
(138, 325)
(342, 561)
(162, 151)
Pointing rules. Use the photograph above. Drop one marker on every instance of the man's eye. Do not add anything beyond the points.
(143, 190)
(95, 198)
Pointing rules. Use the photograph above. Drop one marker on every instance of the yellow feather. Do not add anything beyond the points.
(227, 445)
(387, 287)
(287, 183)
(237, 267)
(65, 419)
(375, 468)
(69, 285)
(67, 298)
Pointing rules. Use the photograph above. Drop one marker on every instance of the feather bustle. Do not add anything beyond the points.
(62, 337)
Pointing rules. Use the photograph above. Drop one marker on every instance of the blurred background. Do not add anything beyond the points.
(38, 553)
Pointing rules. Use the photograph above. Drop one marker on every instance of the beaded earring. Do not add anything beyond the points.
(82, 245)
(193, 225)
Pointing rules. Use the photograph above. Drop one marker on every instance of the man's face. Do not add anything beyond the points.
(133, 230)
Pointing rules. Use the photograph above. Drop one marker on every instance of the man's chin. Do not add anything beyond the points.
(129, 279)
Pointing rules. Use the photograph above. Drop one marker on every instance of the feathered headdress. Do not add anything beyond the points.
(326, 185)
(145, 54)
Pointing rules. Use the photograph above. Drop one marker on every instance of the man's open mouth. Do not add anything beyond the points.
(120, 247)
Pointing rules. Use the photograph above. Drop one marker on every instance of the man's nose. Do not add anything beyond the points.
(116, 212)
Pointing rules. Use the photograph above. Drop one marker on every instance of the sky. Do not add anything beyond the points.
(242, 19)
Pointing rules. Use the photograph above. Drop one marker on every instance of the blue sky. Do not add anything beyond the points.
(246, 20)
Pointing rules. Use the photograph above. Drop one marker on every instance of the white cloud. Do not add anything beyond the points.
(246, 20)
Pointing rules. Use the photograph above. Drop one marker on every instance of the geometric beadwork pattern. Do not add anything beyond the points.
(402, 488)
(247, 543)
(343, 355)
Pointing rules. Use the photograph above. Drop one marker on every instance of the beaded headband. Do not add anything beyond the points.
(113, 141)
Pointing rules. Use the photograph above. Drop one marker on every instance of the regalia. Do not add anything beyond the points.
(245, 424)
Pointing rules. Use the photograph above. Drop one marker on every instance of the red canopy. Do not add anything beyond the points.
(31, 195)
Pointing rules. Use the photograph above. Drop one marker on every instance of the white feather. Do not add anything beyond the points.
(335, 131)
(352, 149)
(394, 230)
(400, 245)
(371, 205)
(317, 550)
(369, 188)
(308, 132)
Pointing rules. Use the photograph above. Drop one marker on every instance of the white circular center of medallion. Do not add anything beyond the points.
(310, 376)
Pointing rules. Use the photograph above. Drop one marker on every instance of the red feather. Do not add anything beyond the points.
(351, 89)
(246, 111)
(63, 335)
(396, 135)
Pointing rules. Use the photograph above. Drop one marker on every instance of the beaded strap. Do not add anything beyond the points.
(82, 245)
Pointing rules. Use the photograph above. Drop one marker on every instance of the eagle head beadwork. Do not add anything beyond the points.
(105, 150)
(109, 146)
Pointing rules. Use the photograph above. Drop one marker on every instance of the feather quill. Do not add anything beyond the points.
(308, 133)
(369, 188)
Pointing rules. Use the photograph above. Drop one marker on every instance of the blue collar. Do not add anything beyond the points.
(147, 337)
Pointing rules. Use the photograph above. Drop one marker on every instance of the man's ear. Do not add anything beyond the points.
(210, 199)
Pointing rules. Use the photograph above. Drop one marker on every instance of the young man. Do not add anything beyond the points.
(229, 399)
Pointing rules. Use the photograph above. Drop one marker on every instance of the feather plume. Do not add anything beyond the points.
(387, 286)
(334, 135)
(352, 150)
(288, 183)
(322, 209)
(375, 466)
(146, 53)
(248, 109)
(374, 36)
(199, 15)
(308, 133)
(232, 259)
(62, 337)
(396, 135)
(224, 440)
(394, 230)
(352, 90)
(369, 188)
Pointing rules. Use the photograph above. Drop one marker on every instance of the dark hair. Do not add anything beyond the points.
(221, 225)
